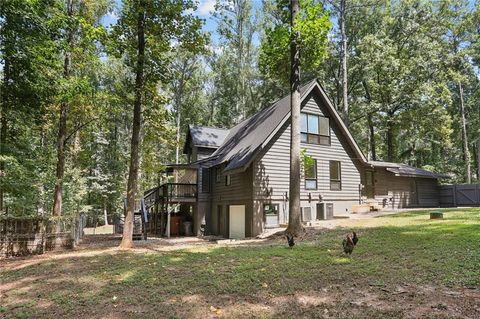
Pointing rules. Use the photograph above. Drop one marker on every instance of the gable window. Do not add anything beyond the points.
(310, 169)
(228, 180)
(314, 129)
(335, 176)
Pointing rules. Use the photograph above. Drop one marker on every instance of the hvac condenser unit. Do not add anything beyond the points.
(324, 211)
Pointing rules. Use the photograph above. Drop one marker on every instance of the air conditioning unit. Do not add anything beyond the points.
(306, 214)
(324, 211)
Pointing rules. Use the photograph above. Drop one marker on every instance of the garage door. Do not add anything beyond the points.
(237, 221)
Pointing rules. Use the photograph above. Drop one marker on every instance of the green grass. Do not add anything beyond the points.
(406, 250)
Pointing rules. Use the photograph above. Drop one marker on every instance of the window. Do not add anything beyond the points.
(218, 175)
(314, 129)
(335, 176)
(228, 181)
(310, 170)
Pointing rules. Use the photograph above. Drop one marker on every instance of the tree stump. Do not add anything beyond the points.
(436, 215)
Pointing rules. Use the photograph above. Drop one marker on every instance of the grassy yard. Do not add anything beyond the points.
(404, 266)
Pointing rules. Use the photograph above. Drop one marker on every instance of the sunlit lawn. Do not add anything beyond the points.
(404, 266)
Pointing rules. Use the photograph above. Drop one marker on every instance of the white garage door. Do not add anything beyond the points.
(237, 221)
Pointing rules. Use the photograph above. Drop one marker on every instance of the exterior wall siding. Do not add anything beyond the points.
(239, 192)
(271, 171)
(397, 191)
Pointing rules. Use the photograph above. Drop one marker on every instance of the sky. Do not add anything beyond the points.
(205, 7)
(204, 11)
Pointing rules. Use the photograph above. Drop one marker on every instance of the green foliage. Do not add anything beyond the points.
(313, 24)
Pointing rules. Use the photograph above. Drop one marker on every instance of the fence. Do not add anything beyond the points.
(460, 195)
(35, 235)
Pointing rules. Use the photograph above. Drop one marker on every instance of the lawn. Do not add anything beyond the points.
(404, 266)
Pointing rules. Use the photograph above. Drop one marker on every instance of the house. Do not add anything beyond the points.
(239, 178)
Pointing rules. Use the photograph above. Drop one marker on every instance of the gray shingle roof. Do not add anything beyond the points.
(245, 140)
(204, 136)
(406, 170)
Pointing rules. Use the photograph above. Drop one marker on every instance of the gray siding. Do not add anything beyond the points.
(397, 191)
(239, 192)
(272, 170)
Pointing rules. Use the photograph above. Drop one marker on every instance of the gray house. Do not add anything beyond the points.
(239, 178)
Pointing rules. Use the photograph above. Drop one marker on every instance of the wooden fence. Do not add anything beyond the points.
(21, 236)
(460, 195)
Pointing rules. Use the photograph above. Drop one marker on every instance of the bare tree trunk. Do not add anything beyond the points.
(478, 159)
(294, 228)
(390, 146)
(177, 153)
(371, 138)
(105, 215)
(371, 129)
(466, 151)
(4, 123)
(178, 102)
(127, 241)
(344, 53)
(62, 124)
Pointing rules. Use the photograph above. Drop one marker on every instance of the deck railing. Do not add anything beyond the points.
(170, 191)
(179, 190)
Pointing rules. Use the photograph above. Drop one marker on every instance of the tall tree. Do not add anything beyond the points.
(145, 33)
(302, 27)
(235, 60)
(456, 21)
(294, 221)
(28, 57)
(81, 27)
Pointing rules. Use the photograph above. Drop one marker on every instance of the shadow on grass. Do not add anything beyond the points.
(155, 284)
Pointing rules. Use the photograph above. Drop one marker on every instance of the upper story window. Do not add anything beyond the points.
(335, 176)
(314, 129)
(218, 174)
(310, 167)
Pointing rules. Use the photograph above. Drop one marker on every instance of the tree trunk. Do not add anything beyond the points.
(371, 138)
(478, 159)
(294, 228)
(4, 123)
(466, 151)
(177, 153)
(390, 142)
(178, 102)
(344, 53)
(105, 215)
(135, 143)
(62, 124)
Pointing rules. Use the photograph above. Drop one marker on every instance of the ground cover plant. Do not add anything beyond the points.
(404, 266)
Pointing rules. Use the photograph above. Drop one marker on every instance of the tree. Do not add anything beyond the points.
(233, 63)
(306, 34)
(144, 34)
(342, 9)
(294, 222)
(81, 27)
(458, 30)
(28, 55)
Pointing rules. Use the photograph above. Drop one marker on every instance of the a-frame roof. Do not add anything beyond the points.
(247, 139)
